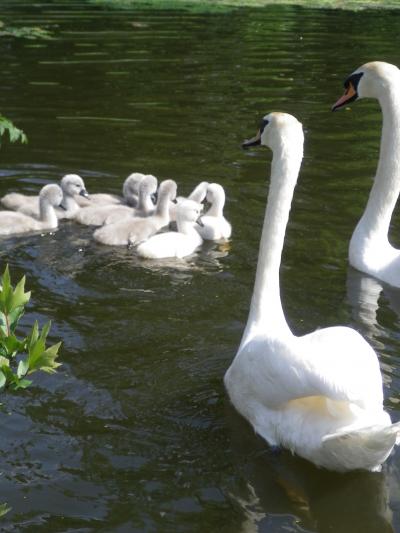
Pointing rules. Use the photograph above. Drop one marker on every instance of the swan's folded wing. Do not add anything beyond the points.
(336, 363)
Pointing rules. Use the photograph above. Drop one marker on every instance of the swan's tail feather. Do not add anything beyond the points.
(365, 448)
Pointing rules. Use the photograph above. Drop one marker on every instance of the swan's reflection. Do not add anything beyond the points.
(370, 300)
(282, 491)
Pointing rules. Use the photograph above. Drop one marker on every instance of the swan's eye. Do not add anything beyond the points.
(263, 124)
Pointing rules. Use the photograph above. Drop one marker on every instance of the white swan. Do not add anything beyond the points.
(72, 187)
(320, 395)
(130, 194)
(14, 222)
(370, 250)
(214, 225)
(176, 243)
(133, 230)
(97, 215)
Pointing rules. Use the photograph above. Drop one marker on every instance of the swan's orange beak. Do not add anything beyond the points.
(255, 141)
(350, 94)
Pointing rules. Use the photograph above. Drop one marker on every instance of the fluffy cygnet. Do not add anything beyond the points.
(72, 186)
(134, 230)
(98, 215)
(215, 226)
(130, 194)
(145, 206)
(197, 195)
(15, 222)
(176, 243)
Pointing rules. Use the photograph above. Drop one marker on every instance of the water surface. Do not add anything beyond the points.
(135, 432)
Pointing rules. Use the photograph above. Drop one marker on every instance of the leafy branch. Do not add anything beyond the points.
(24, 32)
(21, 357)
(15, 134)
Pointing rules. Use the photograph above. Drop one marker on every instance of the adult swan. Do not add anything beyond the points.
(319, 395)
(370, 250)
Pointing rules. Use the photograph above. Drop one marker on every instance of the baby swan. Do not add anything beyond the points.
(14, 222)
(130, 194)
(99, 214)
(176, 243)
(72, 186)
(133, 230)
(215, 226)
(197, 195)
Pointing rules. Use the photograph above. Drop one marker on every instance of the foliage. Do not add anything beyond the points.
(25, 32)
(220, 5)
(20, 357)
(14, 133)
(4, 508)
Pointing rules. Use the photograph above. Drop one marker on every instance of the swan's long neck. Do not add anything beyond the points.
(145, 203)
(162, 208)
(47, 213)
(217, 207)
(386, 188)
(198, 194)
(266, 313)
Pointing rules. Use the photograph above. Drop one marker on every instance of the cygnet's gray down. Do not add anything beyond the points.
(72, 187)
(214, 226)
(14, 222)
(135, 230)
(101, 214)
(130, 194)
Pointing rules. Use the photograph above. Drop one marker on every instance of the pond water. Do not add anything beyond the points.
(135, 432)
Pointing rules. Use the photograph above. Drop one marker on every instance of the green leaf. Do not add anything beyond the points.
(3, 381)
(33, 336)
(9, 346)
(15, 134)
(6, 290)
(45, 360)
(19, 297)
(4, 361)
(14, 317)
(4, 509)
(21, 384)
(23, 367)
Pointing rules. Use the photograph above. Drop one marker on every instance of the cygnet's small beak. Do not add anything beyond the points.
(84, 193)
(62, 206)
(200, 222)
(154, 197)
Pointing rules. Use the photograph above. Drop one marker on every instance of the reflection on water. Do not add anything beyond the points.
(277, 483)
(133, 433)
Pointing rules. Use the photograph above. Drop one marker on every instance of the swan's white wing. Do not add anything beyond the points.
(336, 363)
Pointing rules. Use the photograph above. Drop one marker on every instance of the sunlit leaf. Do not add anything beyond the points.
(23, 367)
(45, 360)
(4, 509)
(4, 361)
(15, 134)
(21, 384)
(3, 379)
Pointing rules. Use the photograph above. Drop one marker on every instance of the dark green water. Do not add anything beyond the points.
(135, 432)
